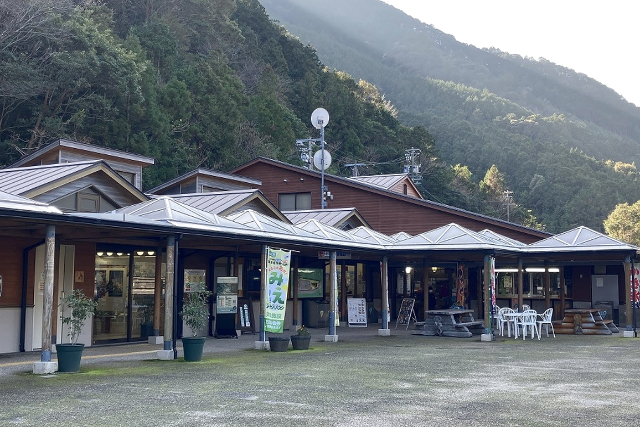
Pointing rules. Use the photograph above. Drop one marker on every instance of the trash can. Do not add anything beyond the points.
(607, 306)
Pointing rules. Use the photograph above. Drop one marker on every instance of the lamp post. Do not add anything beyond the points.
(319, 119)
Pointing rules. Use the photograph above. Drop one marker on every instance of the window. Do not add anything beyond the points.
(294, 201)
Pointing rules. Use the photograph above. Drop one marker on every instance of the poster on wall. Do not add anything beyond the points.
(310, 283)
(278, 263)
(357, 309)
(194, 280)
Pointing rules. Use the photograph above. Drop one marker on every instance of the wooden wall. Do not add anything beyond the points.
(384, 213)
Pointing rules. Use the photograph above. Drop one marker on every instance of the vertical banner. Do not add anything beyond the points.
(278, 263)
(493, 284)
(461, 294)
(635, 286)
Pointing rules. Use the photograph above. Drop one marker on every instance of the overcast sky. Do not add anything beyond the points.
(598, 38)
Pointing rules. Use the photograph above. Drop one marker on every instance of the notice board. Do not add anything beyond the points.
(357, 312)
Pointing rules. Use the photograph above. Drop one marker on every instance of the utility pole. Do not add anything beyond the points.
(354, 168)
(412, 165)
(508, 202)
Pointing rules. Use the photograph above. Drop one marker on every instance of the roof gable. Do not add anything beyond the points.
(333, 217)
(581, 237)
(207, 176)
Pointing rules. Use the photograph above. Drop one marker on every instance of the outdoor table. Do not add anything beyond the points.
(584, 321)
(449, 323)
(513, 318)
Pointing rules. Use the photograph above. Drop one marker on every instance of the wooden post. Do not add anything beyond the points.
(157, 293)
(294, 287)
(47, 312)
(168, 294)
(385, 292)
(627, 290)
(562, 295)
(487, 294)
(520, 283)
(547, 286)
(333, 269)
(263, 292)
(425, 288)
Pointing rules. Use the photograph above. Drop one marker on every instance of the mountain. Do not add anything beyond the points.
(566, 144)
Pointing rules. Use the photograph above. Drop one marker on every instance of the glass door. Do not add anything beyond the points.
(112, 294)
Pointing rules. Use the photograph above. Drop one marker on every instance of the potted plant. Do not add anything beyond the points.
(301, 340)
(146, 324)
(195, 312)
(278, 343)
(80, 309)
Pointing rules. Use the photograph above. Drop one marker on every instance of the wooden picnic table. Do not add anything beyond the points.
(584, 321)
(449, 323)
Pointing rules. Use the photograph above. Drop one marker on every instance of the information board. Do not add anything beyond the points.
(357, 312)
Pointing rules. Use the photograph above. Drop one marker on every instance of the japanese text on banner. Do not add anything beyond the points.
(278, 264)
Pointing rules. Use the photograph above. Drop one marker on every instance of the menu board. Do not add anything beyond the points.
(357, 308)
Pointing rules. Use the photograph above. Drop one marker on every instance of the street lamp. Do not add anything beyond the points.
(319, 119)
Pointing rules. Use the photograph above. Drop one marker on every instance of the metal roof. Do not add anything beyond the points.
(371, 235)
(579, 239)
(208, 173)
(397, 237)
(10, 201)
(332, 217)
(327, 232)
(93, 149)
(216, 202)
(24, 179)
(504, 240)
(382, 181)
(258, 221)
(450, 236)
(166, 209)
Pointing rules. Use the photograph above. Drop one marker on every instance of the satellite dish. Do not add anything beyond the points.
(317, 159)
(319, 118)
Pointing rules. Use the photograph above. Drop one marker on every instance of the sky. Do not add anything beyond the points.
(598, 38)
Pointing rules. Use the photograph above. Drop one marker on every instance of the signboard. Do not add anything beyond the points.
(194, 280)
(461, 294)
(227, 304)
(226, 285)
(339, 255)
(492, 284)
(406, 313)
(278, 264)
(310, 283)
(357, 309)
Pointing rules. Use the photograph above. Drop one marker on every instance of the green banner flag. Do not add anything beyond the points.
(278, 263)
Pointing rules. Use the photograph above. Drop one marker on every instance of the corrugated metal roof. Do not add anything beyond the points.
(258, 221)
(327, 232)
(382, 181)
(215, 202)
(93, 149)
(371, 235)
(579, 238)
(208, 173)
(166, 209)
(397, 237)
(22, 180)
(9, 201)
(330, 217)
(450, 236)
(504, 240)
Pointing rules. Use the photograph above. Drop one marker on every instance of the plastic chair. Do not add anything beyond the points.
(528, 320)
(504, 320)
(525, 307)
(546, 320)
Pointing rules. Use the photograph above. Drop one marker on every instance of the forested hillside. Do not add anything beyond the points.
(191, 83)
(565, 144)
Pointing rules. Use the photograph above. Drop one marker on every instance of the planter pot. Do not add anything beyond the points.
(193, 347)
(69, 356)
(278, 343)
(300, 342)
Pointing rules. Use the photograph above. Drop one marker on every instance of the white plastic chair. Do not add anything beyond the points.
(545, 319)
(528, 320)
(525, 307)
(505, 320)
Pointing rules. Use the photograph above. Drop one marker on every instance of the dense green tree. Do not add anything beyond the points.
(623, 223)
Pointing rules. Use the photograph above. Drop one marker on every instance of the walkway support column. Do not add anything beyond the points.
(167, 352)
(488, 271)
(520, 283)
(333, 280)
(562, 296)
(627, 290)
(46, 366)
(384, 282)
